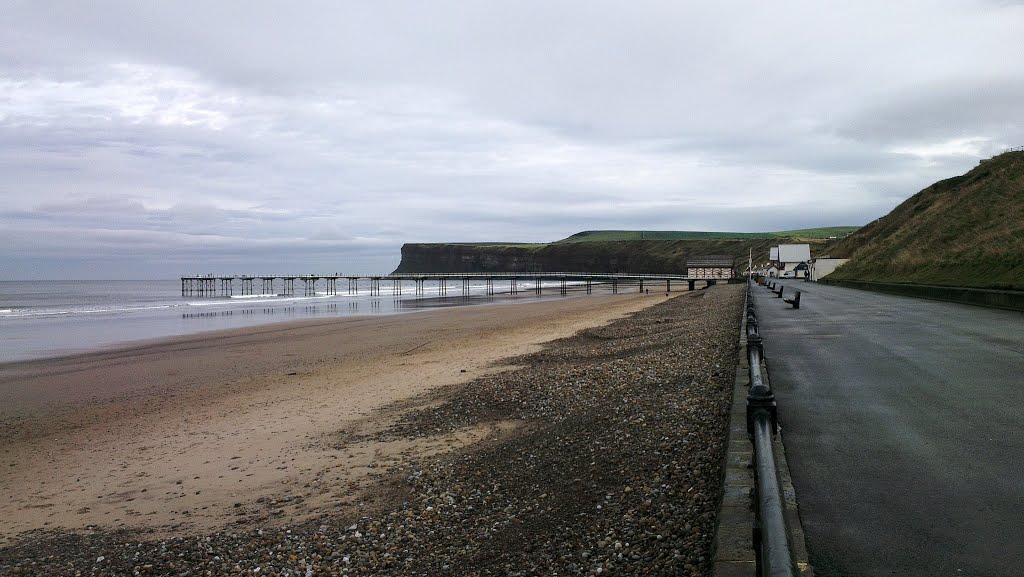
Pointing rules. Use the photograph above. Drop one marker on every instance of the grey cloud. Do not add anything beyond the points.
(331, 132)
(972, 107)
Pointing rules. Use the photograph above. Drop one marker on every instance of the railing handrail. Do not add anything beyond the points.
(772, 545)
(461, 275)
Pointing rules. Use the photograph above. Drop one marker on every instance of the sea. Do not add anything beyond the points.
(45, 319)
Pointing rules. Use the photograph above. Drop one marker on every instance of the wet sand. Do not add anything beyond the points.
(193, 433)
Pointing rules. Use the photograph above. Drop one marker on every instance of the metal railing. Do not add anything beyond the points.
(771, 537)
(472, 275)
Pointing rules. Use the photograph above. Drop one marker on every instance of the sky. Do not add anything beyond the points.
(159, 139)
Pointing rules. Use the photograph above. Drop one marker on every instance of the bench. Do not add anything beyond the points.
(778, 293)
(795, 301)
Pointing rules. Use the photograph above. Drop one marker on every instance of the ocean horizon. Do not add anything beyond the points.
(43, 319)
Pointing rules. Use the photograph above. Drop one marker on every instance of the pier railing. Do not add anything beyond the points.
(771, 536)
(458, 275)
(224, 285)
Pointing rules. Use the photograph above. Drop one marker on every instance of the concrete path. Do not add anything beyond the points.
(903, 421)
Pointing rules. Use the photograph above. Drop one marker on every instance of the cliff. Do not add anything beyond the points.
(626, 256)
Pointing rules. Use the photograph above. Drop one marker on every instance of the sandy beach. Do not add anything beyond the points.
(359, 447)
(194, 433)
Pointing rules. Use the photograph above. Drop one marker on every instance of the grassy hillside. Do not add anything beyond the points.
(963, 231)
(618, 235)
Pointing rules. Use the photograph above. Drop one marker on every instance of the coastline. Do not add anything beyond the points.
(40, 321)
(172, 433)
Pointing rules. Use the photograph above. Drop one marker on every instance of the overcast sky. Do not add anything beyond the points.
(154, 139)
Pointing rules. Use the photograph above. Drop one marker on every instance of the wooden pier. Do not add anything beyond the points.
(224, 285)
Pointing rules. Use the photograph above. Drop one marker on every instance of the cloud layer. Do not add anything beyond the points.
(151, 140)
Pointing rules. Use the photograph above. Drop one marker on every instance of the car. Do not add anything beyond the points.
(788, 274)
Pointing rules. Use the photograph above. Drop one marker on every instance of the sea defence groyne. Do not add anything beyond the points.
(213, 285)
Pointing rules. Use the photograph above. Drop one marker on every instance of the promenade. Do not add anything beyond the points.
(902, 424)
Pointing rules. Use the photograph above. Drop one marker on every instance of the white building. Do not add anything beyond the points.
(790, 256)
(822, 267)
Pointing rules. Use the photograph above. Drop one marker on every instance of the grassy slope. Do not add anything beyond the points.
(963, 231)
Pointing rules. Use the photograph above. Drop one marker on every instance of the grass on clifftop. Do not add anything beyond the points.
(614, 235)
(803, 234)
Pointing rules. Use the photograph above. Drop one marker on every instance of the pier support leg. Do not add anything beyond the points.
(692, 283)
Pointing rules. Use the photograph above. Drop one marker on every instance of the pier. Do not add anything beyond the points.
(225, 285)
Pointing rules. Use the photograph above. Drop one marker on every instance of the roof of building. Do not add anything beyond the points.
(710, 260)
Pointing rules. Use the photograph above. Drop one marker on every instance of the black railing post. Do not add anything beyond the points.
(761, 401)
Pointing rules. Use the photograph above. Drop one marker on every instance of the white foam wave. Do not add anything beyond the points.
(90, 311)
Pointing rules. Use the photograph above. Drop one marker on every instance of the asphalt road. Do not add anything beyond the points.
(903, 422)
